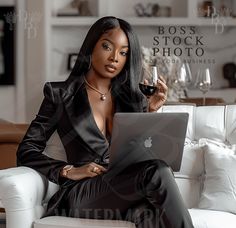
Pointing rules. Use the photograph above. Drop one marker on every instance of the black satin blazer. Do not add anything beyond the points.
(66, 108)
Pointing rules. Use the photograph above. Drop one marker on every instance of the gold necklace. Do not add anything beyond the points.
(103, 95)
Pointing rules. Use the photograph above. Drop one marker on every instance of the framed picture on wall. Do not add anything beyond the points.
(71, 60)
(7, 45)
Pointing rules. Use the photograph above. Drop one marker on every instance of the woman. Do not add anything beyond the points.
(103, 81)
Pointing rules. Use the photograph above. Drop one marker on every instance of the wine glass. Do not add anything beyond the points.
(183, 79)
(148, 81)
(203, 82)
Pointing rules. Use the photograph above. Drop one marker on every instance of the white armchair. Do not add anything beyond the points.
(24, 193)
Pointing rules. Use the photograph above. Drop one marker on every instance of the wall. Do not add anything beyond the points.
(7, 103)
(21, 103)
(219, 48)
(35, 69)
(12, 98)
(7, 93)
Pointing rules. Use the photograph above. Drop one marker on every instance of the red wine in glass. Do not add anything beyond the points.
(147, 90)
(149, 80)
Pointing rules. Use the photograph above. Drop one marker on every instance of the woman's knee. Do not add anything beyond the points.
(156, 166)
(153, 175)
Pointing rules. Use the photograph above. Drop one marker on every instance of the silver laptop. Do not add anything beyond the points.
(139, 137)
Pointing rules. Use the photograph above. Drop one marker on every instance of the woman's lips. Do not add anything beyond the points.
(110, 68)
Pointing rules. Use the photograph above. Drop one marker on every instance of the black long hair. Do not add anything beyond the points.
(124, 85)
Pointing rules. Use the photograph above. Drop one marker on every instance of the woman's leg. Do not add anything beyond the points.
(145, 193)
(161, 190)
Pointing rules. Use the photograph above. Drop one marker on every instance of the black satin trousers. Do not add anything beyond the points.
(145, 193)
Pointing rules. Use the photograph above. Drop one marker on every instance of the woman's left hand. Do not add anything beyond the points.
(159, 97)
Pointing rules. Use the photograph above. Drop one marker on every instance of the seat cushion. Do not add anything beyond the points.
(66, 222)
(201, 219)
(212, 219)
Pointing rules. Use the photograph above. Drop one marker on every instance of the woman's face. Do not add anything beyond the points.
(110, 53)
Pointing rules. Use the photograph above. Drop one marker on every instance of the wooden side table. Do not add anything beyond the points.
(199, 100)
(11, 135)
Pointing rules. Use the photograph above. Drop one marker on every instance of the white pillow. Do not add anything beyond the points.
(219, 190)
(192, 162)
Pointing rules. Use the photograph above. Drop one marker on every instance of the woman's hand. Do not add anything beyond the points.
(159, 97)
(89, 170)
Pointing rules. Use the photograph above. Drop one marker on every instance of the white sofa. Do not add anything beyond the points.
(24, 193)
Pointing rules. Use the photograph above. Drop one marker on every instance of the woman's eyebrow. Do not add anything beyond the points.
(106, 39)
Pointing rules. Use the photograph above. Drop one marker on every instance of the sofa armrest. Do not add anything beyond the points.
(22, 190)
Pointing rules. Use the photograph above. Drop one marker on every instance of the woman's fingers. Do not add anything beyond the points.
(145, 82)
(89, 170)
(162, 85)
(96, 169)
(162, 96)
(161, 78)
(98, 166)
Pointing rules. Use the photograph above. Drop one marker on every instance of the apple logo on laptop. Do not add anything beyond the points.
(148, 142)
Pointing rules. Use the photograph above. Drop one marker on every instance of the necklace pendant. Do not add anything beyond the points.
(103, 97)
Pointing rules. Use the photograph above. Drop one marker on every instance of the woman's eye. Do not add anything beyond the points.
(106, 46)
(124, 53)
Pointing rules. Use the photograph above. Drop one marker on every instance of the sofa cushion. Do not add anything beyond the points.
(210, 123)
(219, 192)
(201, 219)
(231, 124)
(212, 219)
(183, 108)
(189, 190)
(66, 222)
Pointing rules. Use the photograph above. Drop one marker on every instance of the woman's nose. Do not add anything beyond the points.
(114, 57)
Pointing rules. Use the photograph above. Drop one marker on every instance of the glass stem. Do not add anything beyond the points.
(204, 99)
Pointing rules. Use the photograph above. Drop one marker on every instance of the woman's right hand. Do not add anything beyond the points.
(89, 170)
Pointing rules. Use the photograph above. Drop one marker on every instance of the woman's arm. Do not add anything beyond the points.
(30, 150)
(159, 97)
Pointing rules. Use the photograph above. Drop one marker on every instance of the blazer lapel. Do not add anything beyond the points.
(78, 110)
(70, 101)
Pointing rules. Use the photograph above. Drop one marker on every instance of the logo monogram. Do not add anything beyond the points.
(148, 142)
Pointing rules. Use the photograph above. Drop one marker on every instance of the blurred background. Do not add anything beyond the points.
(40, 40)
